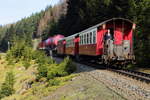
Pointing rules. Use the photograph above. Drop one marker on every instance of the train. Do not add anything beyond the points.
(50, 43)
(110, 42)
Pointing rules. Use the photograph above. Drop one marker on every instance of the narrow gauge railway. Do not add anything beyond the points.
(143, 77)
(127, 87)
(109, 42)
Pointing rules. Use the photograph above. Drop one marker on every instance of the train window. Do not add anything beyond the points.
(84, 38)
(94, 37)
(87, 38)
(67, 43)
(90, 38)
(80, 40)
(72, 43)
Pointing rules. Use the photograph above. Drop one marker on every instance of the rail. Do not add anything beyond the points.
(144, 77)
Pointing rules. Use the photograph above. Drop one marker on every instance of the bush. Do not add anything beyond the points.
(54, 82)
(65, 68)
(41, 58)
(53, 71)
(26, 64)
(43, 63)
(42, 71)
(20, 51)
(7, 86)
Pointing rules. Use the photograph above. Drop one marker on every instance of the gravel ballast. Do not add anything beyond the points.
(122, 86)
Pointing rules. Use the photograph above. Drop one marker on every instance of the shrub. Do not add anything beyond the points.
(26, 64)
(42, 71)
(67, 67)
(62, 69)
(41, 58)
(20, 51)
(53, 82)
(7, 86)
(52, 71)
(43, 63)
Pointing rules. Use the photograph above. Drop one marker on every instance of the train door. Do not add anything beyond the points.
(64, 46)
(76, 49)
(118, 36)
(118, 41)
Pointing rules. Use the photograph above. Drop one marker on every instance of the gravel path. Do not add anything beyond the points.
(126, 87)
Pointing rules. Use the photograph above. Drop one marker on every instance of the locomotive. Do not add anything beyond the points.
(109, 42)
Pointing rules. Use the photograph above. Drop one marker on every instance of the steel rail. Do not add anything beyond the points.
(143, 77)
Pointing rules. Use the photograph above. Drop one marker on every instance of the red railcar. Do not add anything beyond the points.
(41, 45)
(61, 47)
(51, 42)
(92, 41)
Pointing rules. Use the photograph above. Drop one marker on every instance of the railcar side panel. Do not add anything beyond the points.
(87, 50)
(60, 47)
(69, 50)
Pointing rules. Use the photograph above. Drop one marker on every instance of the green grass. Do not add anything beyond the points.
(24, 76)
(40, 90)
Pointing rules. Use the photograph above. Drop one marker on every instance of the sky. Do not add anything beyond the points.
(14, 10)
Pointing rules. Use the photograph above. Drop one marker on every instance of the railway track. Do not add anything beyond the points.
(125, 87)
(144, 77)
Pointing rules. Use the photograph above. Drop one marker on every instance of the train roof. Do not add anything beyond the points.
(71, 36)
(95, 27)
(100, 24)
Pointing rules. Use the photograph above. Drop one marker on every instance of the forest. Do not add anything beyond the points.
(71, 16)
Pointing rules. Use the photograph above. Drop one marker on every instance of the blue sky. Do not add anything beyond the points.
(13, 10)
